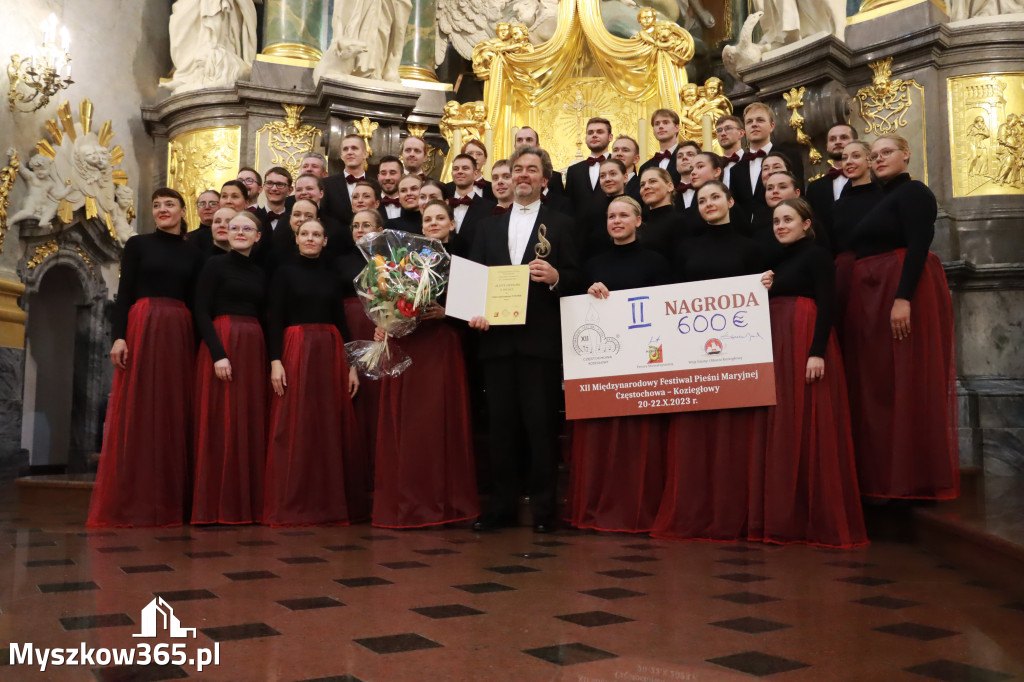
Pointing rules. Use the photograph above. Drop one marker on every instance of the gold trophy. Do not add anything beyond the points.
(543, 247)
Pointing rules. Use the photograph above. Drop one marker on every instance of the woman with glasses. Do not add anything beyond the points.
(143, 471)
(230, 383)
(202, 237)
(898, 341)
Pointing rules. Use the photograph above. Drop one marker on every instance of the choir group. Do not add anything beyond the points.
(263, 420)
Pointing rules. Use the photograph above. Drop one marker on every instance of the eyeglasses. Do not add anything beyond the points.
(368, 226)
(207, 204)
(244, 229)
(275, 185)
(247, 181)
(883, 153)
(726, 129)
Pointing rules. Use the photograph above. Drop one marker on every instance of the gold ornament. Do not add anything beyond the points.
(202, 159)
(415, 130)
(42, 252)
(460, 124)
(794, 101)
(696, 102)
(986, 130)
(287, 141)
(8, 175)
(884, 104)
(542, 249)
(364, 128)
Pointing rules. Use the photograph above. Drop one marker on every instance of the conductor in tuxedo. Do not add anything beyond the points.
(824, 192)
(665, 124)
(522, 363)
(581, 179)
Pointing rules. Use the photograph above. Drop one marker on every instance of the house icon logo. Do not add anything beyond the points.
(159, 612)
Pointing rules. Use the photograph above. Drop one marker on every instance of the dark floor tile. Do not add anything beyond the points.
(118, 550)
(397, 644)
(641, 546)
(35, 543)
(97, 534)
(48, 588)
(344, 548)
(625, 573)
(747, 598)
(147, 568)
(447, 611)
(308, 603)
(739, 561)
(400, 565)
(983, 584)
(569, 654)
(250, 575)
(885, 602)
(510, 570)
(743, 577)
(230, 633)
(593, 619)
(333, 678)
(368, 581)
(850, 564)
(174, 538)
(298, 560)
(207, 555)
(951, 671)
(483, 588)
(636, 558)
(378, 536)
(256, 543)
(106, 620)
(1015, 605)
(216, 529)
(739, 549)
(296, 533)
(923, 633)
(612, 593)
(751, 626)
(139, 673)
(463, 541)
(757, 663)
(551, 543)
(436, 552)
(867, 580)
(185, 595)
(535, 555)
(946, 566)
(43, 563)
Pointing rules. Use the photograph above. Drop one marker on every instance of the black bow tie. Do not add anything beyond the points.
(759, 154)
(351, 179)
(271, 216)
(390, 201)
(498, 210)
(593, 160)
(834, 173)
(480, 182)
(460, 201)
(733, 158)
(662, 155)
(683, 186)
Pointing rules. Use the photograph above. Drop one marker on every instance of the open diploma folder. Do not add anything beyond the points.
(497, 293)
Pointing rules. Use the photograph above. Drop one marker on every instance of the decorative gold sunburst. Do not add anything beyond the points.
(68, 143)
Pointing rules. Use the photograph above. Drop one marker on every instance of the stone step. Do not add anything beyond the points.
(66, 491)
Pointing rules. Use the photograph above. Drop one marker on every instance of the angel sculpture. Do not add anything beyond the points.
(213, 43)
(123, 214)
(368, 39)
(44, 192)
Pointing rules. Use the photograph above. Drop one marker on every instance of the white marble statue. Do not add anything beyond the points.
(123, 213)
(213, 43)
(787, 21)
(44, 191)
(368, 39)
(745, 52)
(969, 9)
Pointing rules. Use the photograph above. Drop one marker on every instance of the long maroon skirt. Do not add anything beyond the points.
(708, 474)
(617, 472)
(809, 493)
(311, 428)
(366, 404)
(425, 473)
(144, 468)
(231, 426)
(844, 274)
(903, 405)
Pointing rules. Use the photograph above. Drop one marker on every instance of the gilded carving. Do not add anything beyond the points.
(794, 102)
(42, 252)
(202, 159)
(884, 103)
(986, 129)
(698, 101)
(8, 175)
(287, 141)
(364, 128)
(460, 124)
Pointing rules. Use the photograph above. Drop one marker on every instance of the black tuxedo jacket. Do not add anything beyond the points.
(671, 165)
(407, 221)
(739, 177)
(819, 196)
(633, 189)
(480, 210)
(336, 202)
(541, 336)
(488, 193)
(578, 191)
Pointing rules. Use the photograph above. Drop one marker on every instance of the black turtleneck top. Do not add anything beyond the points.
(662, 230)
(304, 291)
(855, 203)
(229, 284)
(904, 218)
(407, 221)
(806, 269)
(155, 265)
(717, 252)
(628, 266)
(202, 239)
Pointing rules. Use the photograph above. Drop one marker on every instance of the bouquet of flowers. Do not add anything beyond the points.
(403, 273)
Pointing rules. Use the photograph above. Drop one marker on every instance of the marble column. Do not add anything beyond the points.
(418, 54)
(296, 29)
(12, 360)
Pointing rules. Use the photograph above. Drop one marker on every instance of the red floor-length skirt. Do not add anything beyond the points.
(143, 477)
(617, 472)
(425, 473)
(311, 428)
(708, 474)
(231, 426)
(809, 493)
(844, 274)
(367, 406)
(903, 405)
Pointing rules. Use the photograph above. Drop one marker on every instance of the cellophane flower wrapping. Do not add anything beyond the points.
(403, 273)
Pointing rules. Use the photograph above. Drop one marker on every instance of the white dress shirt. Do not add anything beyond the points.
(755, 167)
(595, 171)
(838, 183)
(688, 197)
(352, 186)
(460, 211)
(727, 172)
(520, 228)
(392, 211)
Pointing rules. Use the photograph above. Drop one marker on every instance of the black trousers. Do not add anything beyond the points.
(524, 396)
